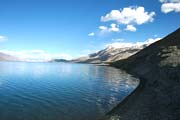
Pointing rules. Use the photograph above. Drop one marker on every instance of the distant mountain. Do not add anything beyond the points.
(59, 60)
(112, 53)
(158, 95)
(6, 57)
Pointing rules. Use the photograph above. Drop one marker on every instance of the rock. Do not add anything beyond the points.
(158, 95)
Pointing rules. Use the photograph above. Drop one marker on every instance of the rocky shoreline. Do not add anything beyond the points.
(158, 95)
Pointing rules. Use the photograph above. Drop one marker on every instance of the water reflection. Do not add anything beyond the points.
(115, 80)
(60, 91)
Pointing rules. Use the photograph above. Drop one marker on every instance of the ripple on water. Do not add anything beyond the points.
(58, 91)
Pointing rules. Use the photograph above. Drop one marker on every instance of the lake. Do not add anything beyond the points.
(60, 91)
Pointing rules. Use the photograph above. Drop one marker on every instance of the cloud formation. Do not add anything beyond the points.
(129, 15)
(2, 38)
(91, 34)
(170, 6)
(130, 28)
(113, 28)
(172, 1)
(36, 55)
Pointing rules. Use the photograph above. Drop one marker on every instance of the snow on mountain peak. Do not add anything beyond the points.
(116, 45)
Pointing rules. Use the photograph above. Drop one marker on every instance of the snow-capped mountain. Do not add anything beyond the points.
(114, 52)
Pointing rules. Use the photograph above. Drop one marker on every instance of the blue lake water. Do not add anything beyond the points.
(60, 91)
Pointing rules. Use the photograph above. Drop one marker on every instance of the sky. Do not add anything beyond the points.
(45, 29)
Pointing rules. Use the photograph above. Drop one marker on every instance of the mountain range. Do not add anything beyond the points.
(6, 57)
(111, 53)
(114, 53)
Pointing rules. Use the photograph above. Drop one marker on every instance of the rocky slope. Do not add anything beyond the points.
(158, 95)
(5, 57)
(109, 54)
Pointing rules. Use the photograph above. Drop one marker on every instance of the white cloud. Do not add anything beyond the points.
(170, 6)
(36, 55)
(172, 1)
(113, 28)
(91, 34)
(2, 38)
(129, 15)
(130, 28)
(103, 28)
(130, 45)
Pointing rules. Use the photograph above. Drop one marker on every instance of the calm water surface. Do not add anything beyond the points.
(60, 91)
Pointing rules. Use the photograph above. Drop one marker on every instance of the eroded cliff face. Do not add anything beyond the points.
(158, 95)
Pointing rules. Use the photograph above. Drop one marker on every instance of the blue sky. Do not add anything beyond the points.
(71, 28)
